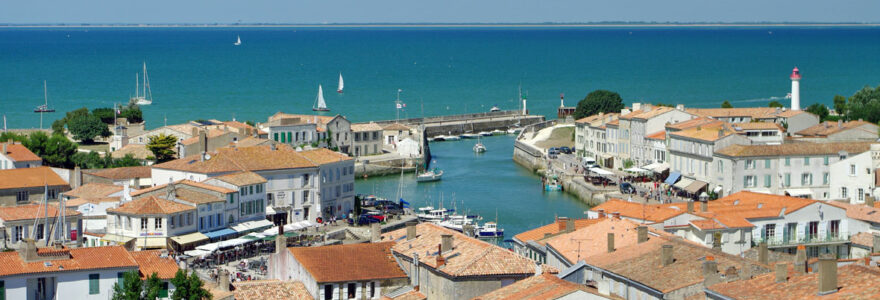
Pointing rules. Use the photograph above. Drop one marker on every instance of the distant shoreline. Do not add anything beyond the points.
(442, 25)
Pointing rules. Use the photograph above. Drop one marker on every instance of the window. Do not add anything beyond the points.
(241, 191)
(766, 164)
(372, 289)
(94, 289)
(40, 231)
(306, 179)
(787, 161)
(251, 190)
(835, 228)
(290, 137)
(305, 196)
(749, 181)
(2, 290)
(219, 220)
(144, 223)
(767, 180)
(52, 194)
(269, 198)
(787, 179)
(201, 223)
(750, 164)
(163, 290)
(813, 230)
(790, 233)
(825, 161)
(861, 195)
(806, 179)
(843, 192)
(241, 208)
(171, 221)
(350, 290)
(825, 178)
(189, 219)
(22, 196)
(157, 223)
(769, 231)
(18, 233)
(259, 188)
(806, 161)
(328, 289)
(720, 166)
(852, 170)
(231, 198)
(120, 278)
(276, 137)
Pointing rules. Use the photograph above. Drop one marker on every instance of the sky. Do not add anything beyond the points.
(436, 11)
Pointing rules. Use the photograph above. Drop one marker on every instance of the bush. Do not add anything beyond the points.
(598, 101)
(87, 127)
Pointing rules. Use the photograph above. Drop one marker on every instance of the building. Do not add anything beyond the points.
(39, 223)
(533, 243)
(691, 153)
(147, 223)
(543, 286)
(828, 132)
(138, 151)
(251, 195)
(864, 224)
(852, 281)
(335, 187)
(761, 132)
(855, 177)
(295, 132)
(77, 273)
(644, 120)
(30, 185)
(794, 169)
(180, 131)
(445, 264)
(367, 139)
(270, 289)
(567, 249)
(135, 177)
(354, 271)
(326, 131)
(16, 156)
(790, 119)
(591, 136)
(92, 201)
(394, 133)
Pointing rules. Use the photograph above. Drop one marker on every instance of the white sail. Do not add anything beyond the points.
(319, 102)
(237, 40)
(145, 98)
(341, 85)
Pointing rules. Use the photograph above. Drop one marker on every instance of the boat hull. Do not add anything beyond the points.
(428, 179)
(44, 110)
(320, 109)
(490, 234)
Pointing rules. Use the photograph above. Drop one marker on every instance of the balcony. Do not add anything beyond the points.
(785, 242)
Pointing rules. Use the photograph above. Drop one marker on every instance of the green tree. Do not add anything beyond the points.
(775, 103)
(126, 161)
(90, 160)
(87, 127)
(865, 105)
(664, 104)
(58, 151)
(818, 109)
(17, 137)
(132, 113)
(189, 287)
(36, 142)
(152, 287)
(162, 146)
(726, 104)
(106, 114)
(131, 288)
(598, 101)
(840, 105)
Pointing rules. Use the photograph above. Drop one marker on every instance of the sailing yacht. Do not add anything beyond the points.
(45, 107)
(147, 97)
(320, 105)
(237, 41)
(339, 90)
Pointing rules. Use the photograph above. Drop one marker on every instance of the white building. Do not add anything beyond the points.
(147, 223)
(16, 156)
(854, 178)
(92, 200)
(591, 135)
(830, 132)
(691, 151)
(644, 120)
(791, 120)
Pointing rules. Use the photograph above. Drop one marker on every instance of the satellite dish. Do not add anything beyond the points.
(207, 156)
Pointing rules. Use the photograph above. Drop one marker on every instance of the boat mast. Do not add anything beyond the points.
(46, 105)
(137, 85)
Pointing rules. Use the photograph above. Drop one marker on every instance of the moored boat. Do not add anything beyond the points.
(469, 135)
(320, 105)
(432, 175)
(489, 230)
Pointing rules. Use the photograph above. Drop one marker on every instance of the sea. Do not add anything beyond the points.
(197, 73)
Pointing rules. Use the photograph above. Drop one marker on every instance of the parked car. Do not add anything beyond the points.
(389, 207)
(364, 220)
(590, 163)
(627, 188)
(565, 150)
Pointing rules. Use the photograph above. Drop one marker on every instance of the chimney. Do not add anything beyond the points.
(223, 281)
(690, 207)
(375, 232)
(538, 269)
(272, 146)
(414, 273)
(827, 274)
(710, 271)
(446, 242)
(411, 230)
(642, 233)
(77, 177)
(646, 107)
(704, 206)
(4, 149)
(637, 106)
(561, 224)
(800, 260)
(195, 131)
(27, 249)
(679, 107)
(280, 240)
(826, 124)
(126, 193)
(610, 242)
(876, 244)
(666, 255)
(869, 200)
(601, 213)
(203, 141)
(569, 225)
(440, 260)
(762, 254)
(616, 215)
(781, 272)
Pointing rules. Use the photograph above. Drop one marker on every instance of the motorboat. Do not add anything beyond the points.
(514, 130)
(431, 215)
(485, 133)
(498, 132)
(494, 109)
(452, 138)
(479, 147)
(489, 230)
(428, 176)
(469, 135)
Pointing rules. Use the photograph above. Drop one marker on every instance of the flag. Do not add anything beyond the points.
(404, 105)
(404, 203)
(399, 106)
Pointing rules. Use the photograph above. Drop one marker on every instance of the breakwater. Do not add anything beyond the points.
(469, 123)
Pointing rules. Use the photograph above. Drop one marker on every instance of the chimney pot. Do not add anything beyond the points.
(827, 274)
(610, 242)
(690, 207)
(642, 233)
(710, 271)
(375, 232)
(4, 148)
(876, 243)
(411, 230)
(763, 254)
(601, 213)
(446, 242)
(666, 255)
(569, 225)
(440, 260)
(869, 200)
(800, 260)
(616, 215)
(561, 224)
(704, 206)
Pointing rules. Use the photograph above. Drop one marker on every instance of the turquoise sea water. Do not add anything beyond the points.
(198, 73)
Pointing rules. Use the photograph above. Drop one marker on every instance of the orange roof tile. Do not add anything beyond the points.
(151, 261)
(365, 127)
(653, 111)
(751, 112)
(212, 133)
(196, 197)
(352, 262)
(323, 156)
(241, 178)
(410, 295)
(395, 126)
(197, 185)
(250, 142)
(19, 153)
(91, 258)
(241, 159)
(794, 149)
(827, 128)
(469, 256)
(150, 206)
(638, 211)
(698, 121)
(545, 286)
(854, 281)
(122, 173)
(858, 211)
(94, 190)
(659, 135)
(592, 240)
(306, 118)
(32, 211)
(757, 126)
(864, 239)
(707, 132)
(138, 151)
(538, 234)
(271, 289)
(29, 177)
(735, 209)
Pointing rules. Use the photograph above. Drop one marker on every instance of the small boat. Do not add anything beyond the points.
(479, 147)
(432, 175)
(490, 230)
(469, 135)
(494, 109)
(498, 132)
(147, 97)
(457, 222)
(237, 41)
(431, 215)
(320, 105)
(514, 130)
(341, 85)
(436, 139)
(40, 109)
(452, 138)
(485, 133)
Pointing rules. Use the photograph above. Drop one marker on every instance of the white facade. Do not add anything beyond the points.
(853, 178)
(336, 189)
(63, 285)
(803, 176)
(408, 148)
(641, 148)
(294, 134)
(693, 157)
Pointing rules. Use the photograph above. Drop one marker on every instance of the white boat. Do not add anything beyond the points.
(237, 41)
(494, 109)
(498, 132)
(432, 175)
(147, 97)
(490, 230)
(479, 147)
(485, 133)
(514, 130)
(432, 215)
(451, 138)
(341, 85)
(320, 105)
(469, 135)
(457, 222)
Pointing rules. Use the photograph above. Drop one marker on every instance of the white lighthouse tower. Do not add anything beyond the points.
(795, 89)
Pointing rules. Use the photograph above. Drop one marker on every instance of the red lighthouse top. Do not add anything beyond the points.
(795, 74)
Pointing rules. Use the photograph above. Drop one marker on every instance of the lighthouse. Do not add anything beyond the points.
(795, 89)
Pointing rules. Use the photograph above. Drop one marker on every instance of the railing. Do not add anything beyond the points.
(434, 119)
(806, 240)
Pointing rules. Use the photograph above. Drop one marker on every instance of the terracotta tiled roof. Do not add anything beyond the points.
(322, 156)
(306, 118)
(854, 281)
(150, 206)
(365, 127)
(864, 239)
(545, 286)
(150, 261)
(395, 126)
(751, 112)
(858, 211)
(138, 151)
(199, 185)
(250, 142)
(239, 125)
(94, 190)
(31, 211)
(614, 123)
(653, 111)
(659, 135)
(554, 228)
(708, 132)
(29, 177)
(698, 121)
(241, 159)
(353, 262)
(735, 209)
(411, 295)
(122, 173)
(19, 153)
(241, 178)
(196, 197)
(794, 149)
(652, 213)
(469, 256)
(212, 133)
(271, 289)
(827, 128)
(593, 240)
(91, 258)
(757, 126)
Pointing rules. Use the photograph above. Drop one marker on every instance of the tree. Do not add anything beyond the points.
(131, 288)
(17, 137)
(152, 287)
(664, 104)
(36, 142)
(775, 103)
(87, 127)
(126, 161)
(598, 101)
(865, 105)
(726, 104)
(132, 113)
(107, 115)
(840, 105)
(58, 152)
(162, 146)
(818, 109)
(188, 287)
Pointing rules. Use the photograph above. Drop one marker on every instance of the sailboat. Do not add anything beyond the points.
(320, 105)
(147, 97)
(237, 41)
(339, 90)
(479, 147)
(45, 107)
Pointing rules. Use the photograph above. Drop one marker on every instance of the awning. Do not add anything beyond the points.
(151, 242)
(759, 190)
(112, 238)
(197, 253)
(696, 186)
(657, 167)
(186, 239)
(673, 177)
(233, 243)
(683, 183)
(220, 233)
(601, 171)
(208, 247)
(799, 192)
(637, 170)
(270, 210)
(252, 225)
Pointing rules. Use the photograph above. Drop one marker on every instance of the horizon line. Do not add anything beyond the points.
(441, 24)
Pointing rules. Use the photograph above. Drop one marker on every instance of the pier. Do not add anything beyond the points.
(469, 123)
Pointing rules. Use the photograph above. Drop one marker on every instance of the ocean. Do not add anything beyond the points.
(197, 73)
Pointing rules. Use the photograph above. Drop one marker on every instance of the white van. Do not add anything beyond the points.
(590, 162)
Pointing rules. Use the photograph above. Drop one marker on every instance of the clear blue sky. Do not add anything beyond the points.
(451, 11)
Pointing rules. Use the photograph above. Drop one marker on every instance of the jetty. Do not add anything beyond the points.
(469, 123)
